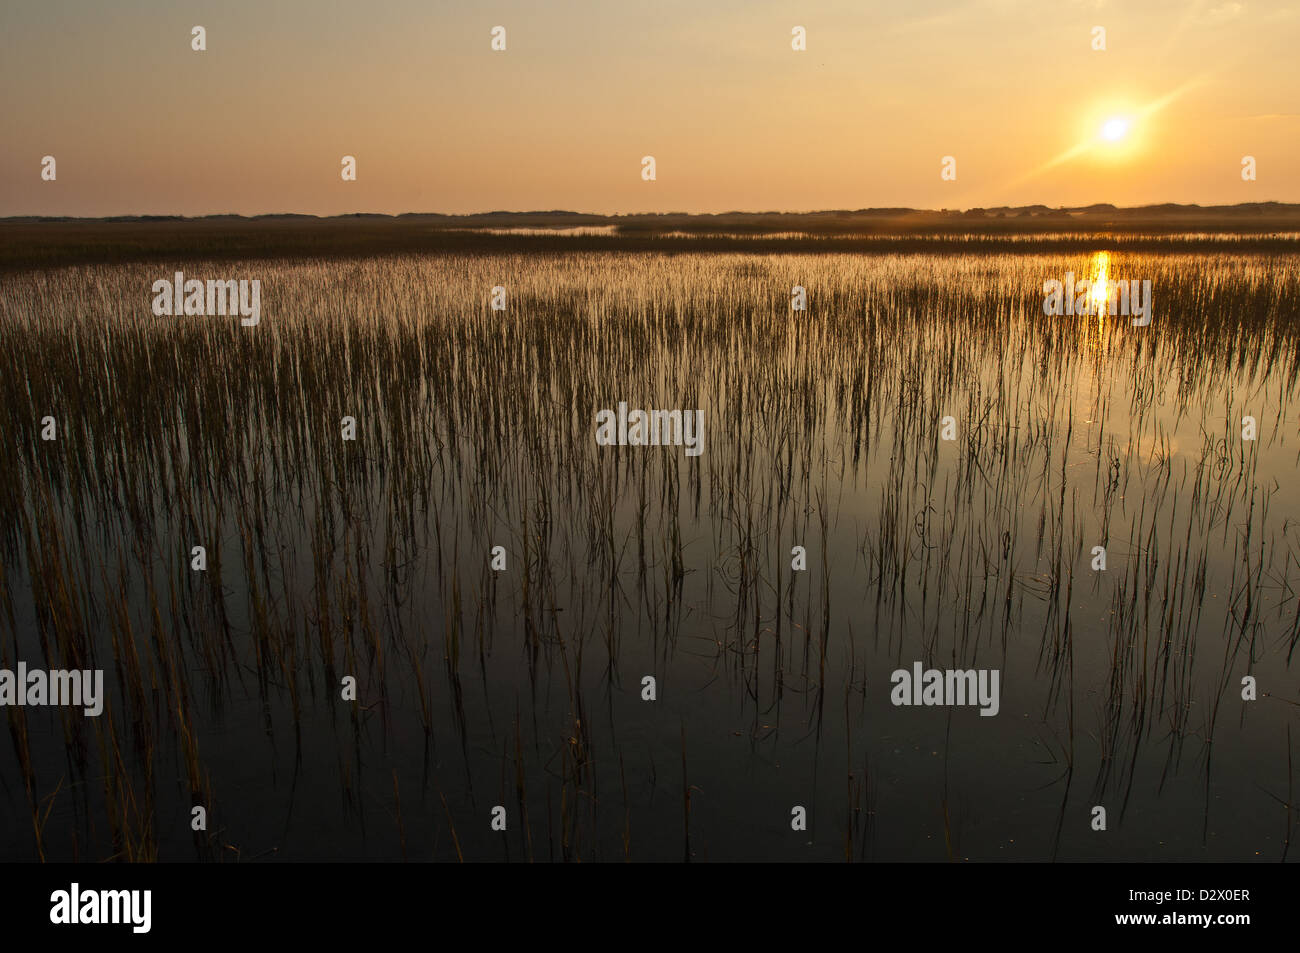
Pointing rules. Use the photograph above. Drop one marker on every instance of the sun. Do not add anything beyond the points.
(1114, 129)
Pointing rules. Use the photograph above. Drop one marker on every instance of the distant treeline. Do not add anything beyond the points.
(44, 242)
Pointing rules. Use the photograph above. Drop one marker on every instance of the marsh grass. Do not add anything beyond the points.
(475, 428)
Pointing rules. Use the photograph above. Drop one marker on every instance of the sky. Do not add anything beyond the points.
(1012, 90)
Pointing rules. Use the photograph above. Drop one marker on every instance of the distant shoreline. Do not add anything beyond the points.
(30, 242)
(1036, 216)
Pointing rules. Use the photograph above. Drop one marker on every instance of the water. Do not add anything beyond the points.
(523, 688)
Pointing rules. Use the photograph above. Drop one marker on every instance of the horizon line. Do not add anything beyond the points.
(892, 210)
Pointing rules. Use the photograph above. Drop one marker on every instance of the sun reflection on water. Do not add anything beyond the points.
(1100, 282)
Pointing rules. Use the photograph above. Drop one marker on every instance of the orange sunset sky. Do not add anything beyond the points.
(141, 124)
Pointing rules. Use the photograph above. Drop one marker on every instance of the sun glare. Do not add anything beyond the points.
(1115, 129)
